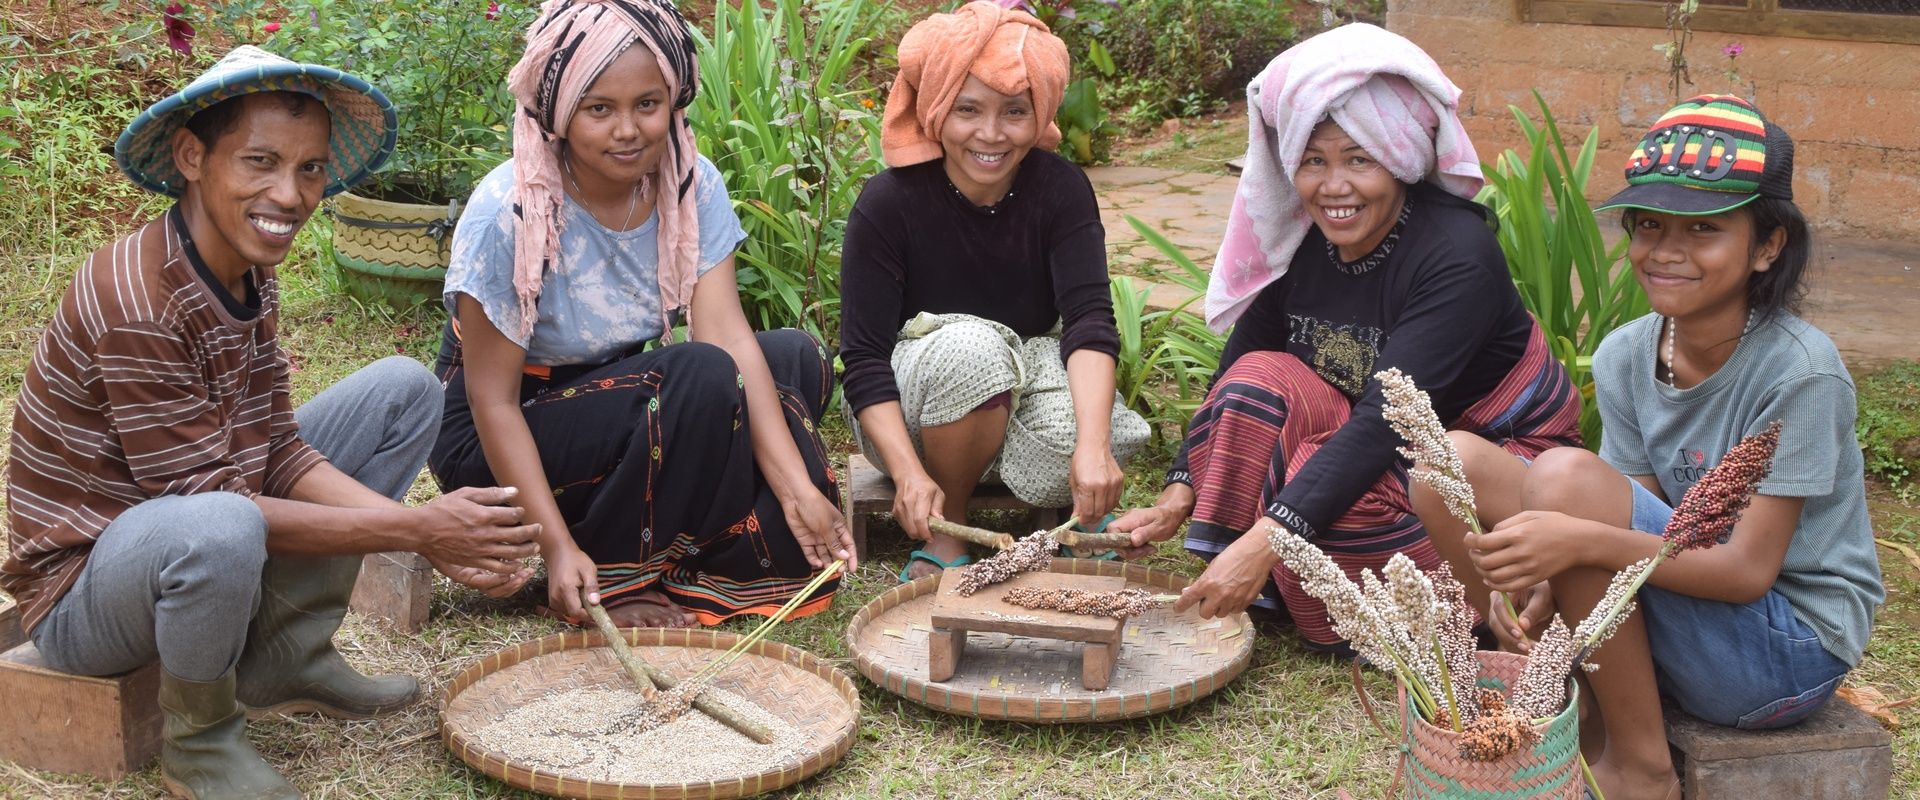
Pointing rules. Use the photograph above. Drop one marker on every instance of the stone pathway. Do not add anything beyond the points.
(1865, 294)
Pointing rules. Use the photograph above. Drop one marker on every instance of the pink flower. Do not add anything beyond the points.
(1733, 49)
(179, 31)
(271, 27)
(493, 9)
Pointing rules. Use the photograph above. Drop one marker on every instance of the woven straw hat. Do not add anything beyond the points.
(363, 118)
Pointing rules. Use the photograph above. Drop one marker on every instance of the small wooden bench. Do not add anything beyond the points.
(1839, 753)
(50, 720)
(869, 491)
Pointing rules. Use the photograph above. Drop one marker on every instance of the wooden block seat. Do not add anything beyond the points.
(1839, 753)
(869, 491)
(50, 720)
(395, 588)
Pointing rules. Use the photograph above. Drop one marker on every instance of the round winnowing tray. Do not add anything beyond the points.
(1167, 660)
(786, 681)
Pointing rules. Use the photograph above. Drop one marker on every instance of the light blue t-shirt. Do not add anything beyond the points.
(602, 297)
(1786, 370)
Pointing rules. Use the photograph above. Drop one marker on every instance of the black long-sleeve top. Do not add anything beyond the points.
(914, 243)
(1440, 306)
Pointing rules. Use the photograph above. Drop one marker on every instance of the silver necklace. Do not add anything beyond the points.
(1672, 324)
(566, 162)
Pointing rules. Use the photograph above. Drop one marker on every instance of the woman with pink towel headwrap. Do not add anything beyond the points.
(976, 322)
(1354, 246)
(679, 485)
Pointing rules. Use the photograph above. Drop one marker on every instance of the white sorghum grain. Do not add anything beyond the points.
(588, 734)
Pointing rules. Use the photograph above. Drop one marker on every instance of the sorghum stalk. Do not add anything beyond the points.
(1446, 681)
(1706, 513)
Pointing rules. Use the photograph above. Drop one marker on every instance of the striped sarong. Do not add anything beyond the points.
(1270, 412)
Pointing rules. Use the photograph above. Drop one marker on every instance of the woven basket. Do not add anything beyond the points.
(786, 681)
(1549, 769)
(1166, 660)
(393, 253)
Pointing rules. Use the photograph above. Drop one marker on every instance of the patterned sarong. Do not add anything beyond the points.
(948, 365)
(1270, 410)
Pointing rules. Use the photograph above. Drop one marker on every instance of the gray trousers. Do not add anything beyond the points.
(178, 577)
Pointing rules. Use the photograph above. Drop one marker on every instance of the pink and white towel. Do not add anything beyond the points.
(1385, 92)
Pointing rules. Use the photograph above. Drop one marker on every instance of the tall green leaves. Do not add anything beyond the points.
(1166, 356)
(1578, 287)
(782, 116)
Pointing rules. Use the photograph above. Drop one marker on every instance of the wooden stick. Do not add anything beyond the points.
(636, 668)
(651, 680)
(979, 536)
(725, 714)
(1097, 541)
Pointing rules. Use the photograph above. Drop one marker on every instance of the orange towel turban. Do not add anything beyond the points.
(1008, 50)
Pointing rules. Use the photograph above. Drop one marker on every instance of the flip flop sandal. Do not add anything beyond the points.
(921, 555)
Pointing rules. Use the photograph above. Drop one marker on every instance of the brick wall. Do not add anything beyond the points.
(1853, 108)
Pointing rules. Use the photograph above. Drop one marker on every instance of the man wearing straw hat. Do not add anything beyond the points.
(164, 500)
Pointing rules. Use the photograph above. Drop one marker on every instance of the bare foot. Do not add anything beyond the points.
(946, 548)
(650, 610)
(1619, 783)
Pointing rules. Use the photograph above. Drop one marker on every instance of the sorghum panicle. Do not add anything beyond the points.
(1033, 552)
(1541, 690)
(1709, 510)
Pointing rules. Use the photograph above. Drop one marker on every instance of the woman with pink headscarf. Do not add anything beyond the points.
(1353, 246)
(677, 485)
(976, 322)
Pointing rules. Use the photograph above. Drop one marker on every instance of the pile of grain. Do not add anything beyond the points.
(589, 734)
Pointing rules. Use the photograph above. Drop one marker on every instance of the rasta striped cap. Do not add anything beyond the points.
(1707, 155)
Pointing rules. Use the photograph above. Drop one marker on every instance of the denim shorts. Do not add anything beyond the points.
(1744, 666)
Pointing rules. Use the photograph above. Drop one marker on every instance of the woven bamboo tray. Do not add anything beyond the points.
(1167, 660)
(786, 681)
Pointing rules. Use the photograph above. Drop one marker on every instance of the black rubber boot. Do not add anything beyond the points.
(289, 665)
(204, 753)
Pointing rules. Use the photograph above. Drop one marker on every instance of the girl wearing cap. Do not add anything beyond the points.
(1353, 246)
(678, 485)
(1758, 631)
(976, 321)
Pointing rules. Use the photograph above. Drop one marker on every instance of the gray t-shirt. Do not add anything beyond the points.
(1784, 370)
(602, 297)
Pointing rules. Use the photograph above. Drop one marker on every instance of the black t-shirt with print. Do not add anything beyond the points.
(1434, 299)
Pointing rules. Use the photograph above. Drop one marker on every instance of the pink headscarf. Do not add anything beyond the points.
(1385, 92)
(1010, 51)
(568, 47)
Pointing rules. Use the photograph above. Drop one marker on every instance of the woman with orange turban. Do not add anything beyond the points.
(976, 321)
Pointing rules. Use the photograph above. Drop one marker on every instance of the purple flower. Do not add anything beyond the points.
(179, 31)
(493, 10)
(1733, 49)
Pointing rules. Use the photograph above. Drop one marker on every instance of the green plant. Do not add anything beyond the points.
(1168, 356)
(784, 117)
(1578, 287)
(1086, 134)
(444, 64)
(1180, 56)
(1888, 425)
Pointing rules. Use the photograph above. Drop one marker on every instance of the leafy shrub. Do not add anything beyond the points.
(1181, 56)
(444, 65)
(1554, 250)
(1166, 357)
(1889, 424)
(784, 116)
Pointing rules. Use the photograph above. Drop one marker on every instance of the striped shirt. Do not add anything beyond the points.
(150, 380)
